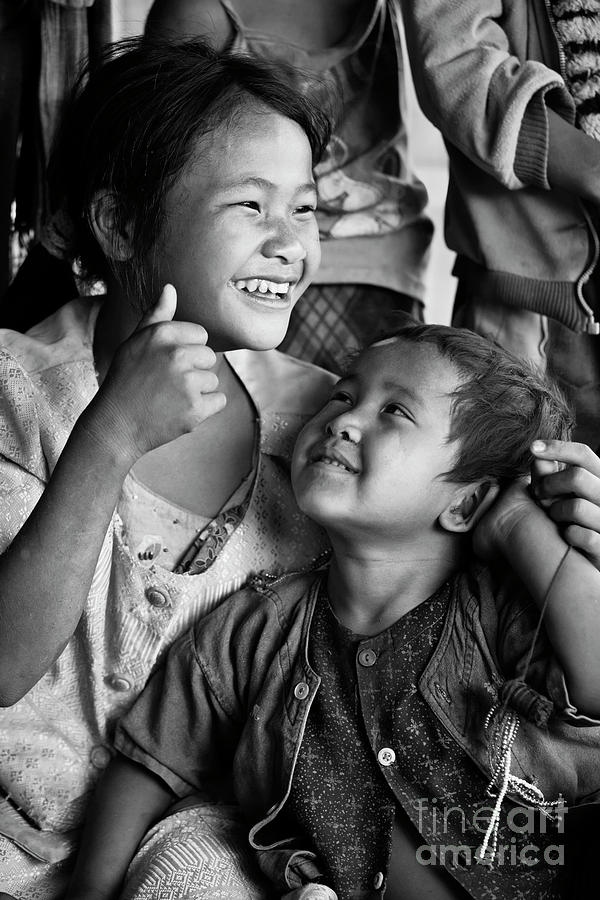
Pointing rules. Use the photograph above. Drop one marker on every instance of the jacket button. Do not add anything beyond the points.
(100, 757)
(378, 880)
(118, 682)
(386, 756)
(301, 691)
(367, 657)
(155, 597)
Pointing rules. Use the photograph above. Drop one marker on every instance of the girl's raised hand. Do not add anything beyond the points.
(566, 482)
(158, 386)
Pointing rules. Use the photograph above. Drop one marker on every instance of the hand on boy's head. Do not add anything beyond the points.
(566, 482)
(160, 384)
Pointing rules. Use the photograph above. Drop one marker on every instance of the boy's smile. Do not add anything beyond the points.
(241, 241)
(369, 463)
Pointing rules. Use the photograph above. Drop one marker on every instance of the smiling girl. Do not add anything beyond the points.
(144, 443)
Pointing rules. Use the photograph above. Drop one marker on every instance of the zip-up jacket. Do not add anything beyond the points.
(486, 73)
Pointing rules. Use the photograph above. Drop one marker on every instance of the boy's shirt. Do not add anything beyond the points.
(229, 709)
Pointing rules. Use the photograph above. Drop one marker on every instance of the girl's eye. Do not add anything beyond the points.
(306, 210)
(250, 204)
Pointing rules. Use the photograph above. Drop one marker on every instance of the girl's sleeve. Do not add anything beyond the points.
(485, 100)
(23, 468)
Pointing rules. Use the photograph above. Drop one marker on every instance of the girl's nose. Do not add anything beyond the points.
(284, 243)
(343, 430)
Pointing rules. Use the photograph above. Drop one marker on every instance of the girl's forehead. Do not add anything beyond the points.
(253, 143)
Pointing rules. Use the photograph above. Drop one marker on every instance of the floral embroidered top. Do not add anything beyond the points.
(57, 739)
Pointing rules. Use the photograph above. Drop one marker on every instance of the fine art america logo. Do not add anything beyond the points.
(521, 844)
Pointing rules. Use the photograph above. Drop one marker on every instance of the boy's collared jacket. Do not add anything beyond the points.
(227, 710)
(486, 73)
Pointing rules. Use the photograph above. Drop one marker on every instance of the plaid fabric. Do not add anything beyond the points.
(332, 320)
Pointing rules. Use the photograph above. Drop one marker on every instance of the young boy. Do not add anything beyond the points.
(360, 714)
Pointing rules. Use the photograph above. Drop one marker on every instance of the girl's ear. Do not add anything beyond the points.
(468, 505)
(114, 242)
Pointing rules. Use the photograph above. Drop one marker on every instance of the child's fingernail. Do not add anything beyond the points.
(538, 446)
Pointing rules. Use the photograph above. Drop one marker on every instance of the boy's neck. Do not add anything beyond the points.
(369, 591)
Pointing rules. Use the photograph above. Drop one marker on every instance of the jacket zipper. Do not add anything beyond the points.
(591, 327)
(561, 53)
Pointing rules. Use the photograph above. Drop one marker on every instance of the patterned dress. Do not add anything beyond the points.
(55, 742)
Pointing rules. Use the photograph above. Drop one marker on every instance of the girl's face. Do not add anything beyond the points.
(240, 241)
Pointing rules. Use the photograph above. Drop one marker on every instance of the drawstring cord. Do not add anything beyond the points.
(502, 779)
(501, 775)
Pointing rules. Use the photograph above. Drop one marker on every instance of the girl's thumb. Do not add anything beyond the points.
(163, 310)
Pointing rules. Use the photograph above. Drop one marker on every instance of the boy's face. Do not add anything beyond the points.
(240, 241)
(367, 465)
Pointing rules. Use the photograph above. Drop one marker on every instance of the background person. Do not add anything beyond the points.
(513, 88)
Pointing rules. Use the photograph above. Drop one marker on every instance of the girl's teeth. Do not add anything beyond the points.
(263, 286)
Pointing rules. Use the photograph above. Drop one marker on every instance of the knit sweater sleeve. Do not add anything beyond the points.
(475, 84)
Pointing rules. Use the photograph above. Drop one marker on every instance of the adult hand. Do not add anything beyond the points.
(566, 482)
(159, 384)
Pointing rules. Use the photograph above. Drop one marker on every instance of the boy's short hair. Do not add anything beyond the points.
(132, 124)
(502, 404)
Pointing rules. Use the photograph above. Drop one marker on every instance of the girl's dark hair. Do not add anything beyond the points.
(133, 122)
(501, 405)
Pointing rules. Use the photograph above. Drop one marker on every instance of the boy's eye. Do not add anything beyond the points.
(341, 397)
(396, 409)
(250, 204)
(306, 210)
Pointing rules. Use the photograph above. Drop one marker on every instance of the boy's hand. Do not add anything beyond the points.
(158, 387)
(566, 482)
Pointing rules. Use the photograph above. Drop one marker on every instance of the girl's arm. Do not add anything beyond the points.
(523, 533)
(127, 801)
(158, 387)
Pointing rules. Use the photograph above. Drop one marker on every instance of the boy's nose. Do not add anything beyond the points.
(343, 430)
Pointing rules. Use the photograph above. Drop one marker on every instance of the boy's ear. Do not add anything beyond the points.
(114, 242)
(468, 505)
